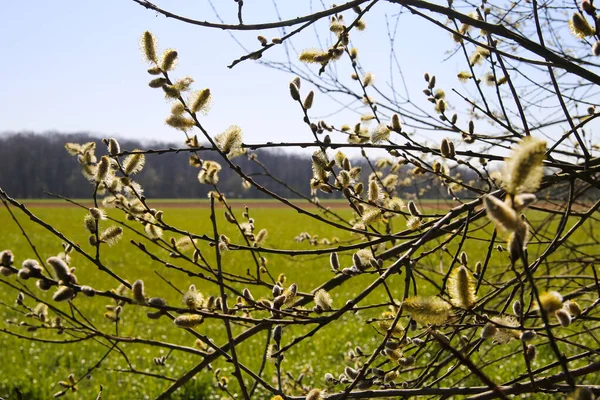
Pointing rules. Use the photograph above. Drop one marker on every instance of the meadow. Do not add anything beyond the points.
(35, 368)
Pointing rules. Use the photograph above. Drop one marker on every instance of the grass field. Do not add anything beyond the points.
(36, 368)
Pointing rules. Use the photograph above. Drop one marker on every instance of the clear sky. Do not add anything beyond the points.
(74, 65)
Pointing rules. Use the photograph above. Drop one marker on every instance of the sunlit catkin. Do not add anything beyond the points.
(192, 299)
(64, 293)
(523, 171)
(188, 321)
(230, 141)
(261, 236)
(374, 192)
(134, 163)
(137, 289)
(323, 299)
(180, 122)
(61, 269)
(97, 213)
(157, 83)
(169, 60)
(113, 146)
(111, 235)
(148, 46)
(580, 27)
(503, 216)
(201, 101)
(550, 301)
(427, 309)
(90, 224)
(461, 288)
(102, 169)
(380, 134)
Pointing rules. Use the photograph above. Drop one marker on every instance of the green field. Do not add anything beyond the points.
(35, 368)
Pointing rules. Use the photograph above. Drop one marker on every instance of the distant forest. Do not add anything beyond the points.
(33, 164)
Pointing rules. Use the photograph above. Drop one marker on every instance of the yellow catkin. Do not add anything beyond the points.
(580, 27)
(169, 60)
(201, 101)
(148, 46)
(427, 309)
(313, 56)
(230, 141)
(523, 171)
(180, 122)
(64, 293)
(380, 134)
(188, 321)
(461, 288)
(503, 216)
(323, 299)
(134, 163)
(551, 301)
(111, 235)
(103, 169)
(314, 394)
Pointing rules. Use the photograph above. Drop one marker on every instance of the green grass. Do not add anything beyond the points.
(35, 367)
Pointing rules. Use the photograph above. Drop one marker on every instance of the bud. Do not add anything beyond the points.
(531, 352)
(308, 101)
(528, 336)
(64, 293)
(113, 146)
(396, 125)
(23, 274)
(88, 291)
(43, 284)
(277, 333)
(138, 292)
(60, 268)
(564, 318)
(445, 148)
(517, 308)
(294, 91)
(489, 331)
(573, 308)
(412, 209)
(586, 5)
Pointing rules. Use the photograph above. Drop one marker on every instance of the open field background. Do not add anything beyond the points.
(35, 368)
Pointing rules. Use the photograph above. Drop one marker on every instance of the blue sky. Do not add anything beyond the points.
(75, 66)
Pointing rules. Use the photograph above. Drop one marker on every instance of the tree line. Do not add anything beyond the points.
(31, 165)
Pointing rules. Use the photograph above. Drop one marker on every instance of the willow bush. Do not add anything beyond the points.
(517, 169)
